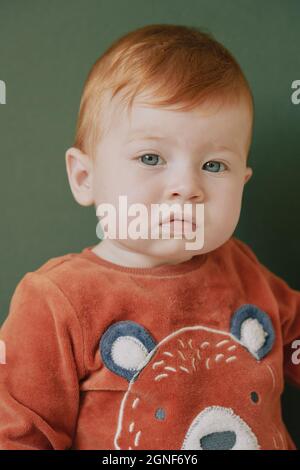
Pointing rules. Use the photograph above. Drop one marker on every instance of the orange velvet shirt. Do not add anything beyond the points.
(187, 356)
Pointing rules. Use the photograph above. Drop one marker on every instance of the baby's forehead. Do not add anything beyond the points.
(147, 121)
(143, 110)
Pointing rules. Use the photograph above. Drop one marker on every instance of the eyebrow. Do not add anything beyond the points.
(143, 136)
(139, 135)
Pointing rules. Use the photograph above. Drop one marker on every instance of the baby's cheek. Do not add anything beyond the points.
(223, 213)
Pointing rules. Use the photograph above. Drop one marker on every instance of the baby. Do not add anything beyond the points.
(150, 342)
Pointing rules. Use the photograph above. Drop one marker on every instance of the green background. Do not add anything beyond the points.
(46, 51)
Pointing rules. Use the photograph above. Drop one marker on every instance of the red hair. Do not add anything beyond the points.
(178, 65)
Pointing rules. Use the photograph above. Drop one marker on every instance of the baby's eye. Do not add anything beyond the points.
(214, 166)
(149, 159)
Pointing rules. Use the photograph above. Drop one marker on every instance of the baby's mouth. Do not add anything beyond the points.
(179, 225)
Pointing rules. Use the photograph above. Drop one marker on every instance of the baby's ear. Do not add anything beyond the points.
(80, 169)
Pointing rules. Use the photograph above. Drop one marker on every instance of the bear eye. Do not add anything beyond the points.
(254, 397)
(160, 414)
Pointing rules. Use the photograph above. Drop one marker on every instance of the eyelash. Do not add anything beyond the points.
(153, 154)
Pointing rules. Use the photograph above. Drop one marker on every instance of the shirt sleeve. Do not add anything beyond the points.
(42, 365)
(288, 300)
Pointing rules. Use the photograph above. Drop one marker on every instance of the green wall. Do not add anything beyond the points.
(46, 51)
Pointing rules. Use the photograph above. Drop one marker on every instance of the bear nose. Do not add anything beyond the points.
(218, 441)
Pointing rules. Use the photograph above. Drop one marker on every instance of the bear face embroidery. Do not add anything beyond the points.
(197, 389)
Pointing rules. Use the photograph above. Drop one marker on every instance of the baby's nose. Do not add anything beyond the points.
(187, 186)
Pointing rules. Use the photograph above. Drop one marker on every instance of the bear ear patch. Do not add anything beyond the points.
(254, 329)
(125, 347)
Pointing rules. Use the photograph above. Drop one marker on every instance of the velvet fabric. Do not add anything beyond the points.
(187, 356)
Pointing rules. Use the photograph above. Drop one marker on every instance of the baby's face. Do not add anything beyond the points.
(158, 155)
